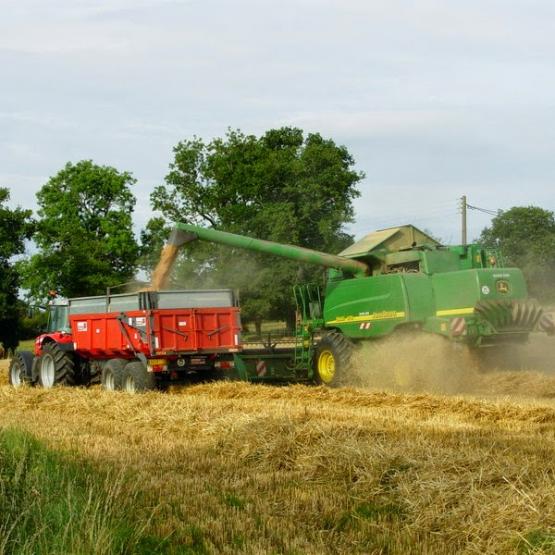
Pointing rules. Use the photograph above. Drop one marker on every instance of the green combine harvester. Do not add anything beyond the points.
(391, 280)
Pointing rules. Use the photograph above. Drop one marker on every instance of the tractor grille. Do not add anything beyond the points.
(512, 315)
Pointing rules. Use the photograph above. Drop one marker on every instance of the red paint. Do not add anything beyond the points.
(166, 332)
(58, 337)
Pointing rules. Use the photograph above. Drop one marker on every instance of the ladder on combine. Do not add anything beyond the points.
(309, 320)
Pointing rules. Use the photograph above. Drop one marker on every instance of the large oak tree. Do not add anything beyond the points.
(282, 186)
(84, 232)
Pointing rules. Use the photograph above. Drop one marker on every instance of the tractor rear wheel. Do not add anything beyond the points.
(333, 359)
(20, 368)
(136, 379)
(112, 374)
(56, 367)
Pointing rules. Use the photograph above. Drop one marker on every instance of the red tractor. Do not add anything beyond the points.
(52, 360)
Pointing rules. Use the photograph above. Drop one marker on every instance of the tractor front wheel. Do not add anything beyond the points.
(333, 359)
(136, 379)
(56, 367)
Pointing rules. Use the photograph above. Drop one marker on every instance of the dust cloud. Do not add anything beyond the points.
(432, 364)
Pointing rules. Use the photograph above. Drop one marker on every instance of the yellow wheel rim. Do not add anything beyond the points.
(326, 366)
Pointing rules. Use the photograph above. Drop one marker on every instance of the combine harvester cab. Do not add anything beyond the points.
(135, 341)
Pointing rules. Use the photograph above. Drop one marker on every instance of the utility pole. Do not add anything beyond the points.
(463, 219)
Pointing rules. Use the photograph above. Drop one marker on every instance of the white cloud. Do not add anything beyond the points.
(40, 119)
(434, 98)
(375, 123)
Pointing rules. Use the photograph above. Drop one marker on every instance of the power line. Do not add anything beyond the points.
(409, 215)
(433, 213)
(484, 210)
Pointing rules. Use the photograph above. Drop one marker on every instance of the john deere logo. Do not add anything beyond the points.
(502, 286)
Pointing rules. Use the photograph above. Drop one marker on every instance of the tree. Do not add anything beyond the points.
(84, 232)
(525, 235)
(15, 227)
(281, 186)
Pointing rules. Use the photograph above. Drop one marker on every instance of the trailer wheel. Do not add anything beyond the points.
(20, 368)
(136, 379)
(112, 374)
(56, 367)
(333, 358)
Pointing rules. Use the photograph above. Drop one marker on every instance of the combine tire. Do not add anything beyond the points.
(112, 374)
(136, 379)
(333, 359)
(56, 367)
(20, 368)
(498, 358)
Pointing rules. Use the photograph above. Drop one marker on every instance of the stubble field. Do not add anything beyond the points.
(232, 467)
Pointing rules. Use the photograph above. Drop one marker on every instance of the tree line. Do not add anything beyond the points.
(284, 186)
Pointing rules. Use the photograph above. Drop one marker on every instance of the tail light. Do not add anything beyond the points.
(157, 365)
(224, 364)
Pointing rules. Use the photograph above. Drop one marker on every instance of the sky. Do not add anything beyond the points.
(434, 99)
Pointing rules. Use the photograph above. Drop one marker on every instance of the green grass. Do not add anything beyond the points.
(234, 501)
(537, 541)
(51, 503)
(26, 345)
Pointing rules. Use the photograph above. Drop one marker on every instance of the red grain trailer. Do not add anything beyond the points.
(134, 341)
(173, 333)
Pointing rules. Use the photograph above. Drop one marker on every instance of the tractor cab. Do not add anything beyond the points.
(58, 316)
(58, 330)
